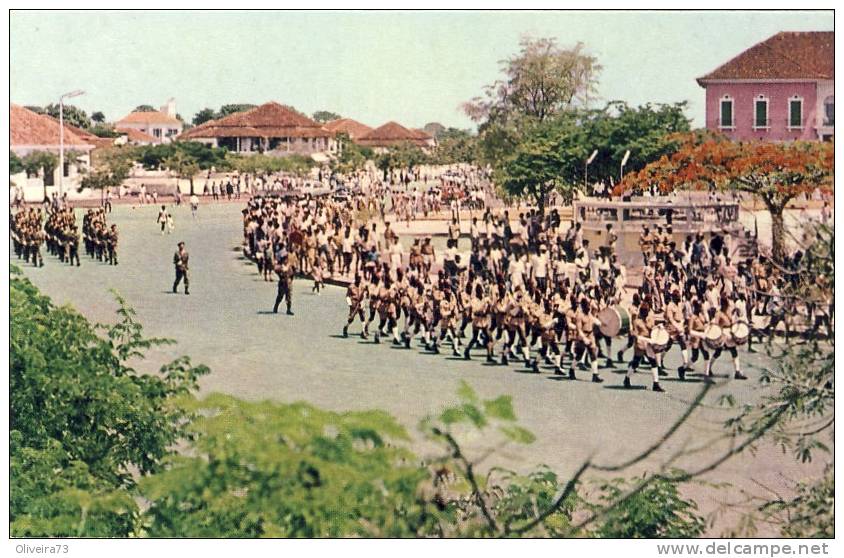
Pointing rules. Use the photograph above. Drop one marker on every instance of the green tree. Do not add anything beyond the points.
(456, 146)
(71, 115)
(15, 163)
(540, 81)
(226, 110)
(325, 116)
(98, 117)
(184, 166)
(104, 131)
(43, 163)
(82, 419)
(656, 512)
(203, 116)
(352, 156)
(144, 108)
(112, 169)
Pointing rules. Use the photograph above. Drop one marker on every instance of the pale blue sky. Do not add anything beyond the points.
(413, 67)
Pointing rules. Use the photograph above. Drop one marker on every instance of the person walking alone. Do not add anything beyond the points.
(180, 260)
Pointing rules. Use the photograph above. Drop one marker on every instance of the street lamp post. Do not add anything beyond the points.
(623, 162)
(61, 136)
(586, 171)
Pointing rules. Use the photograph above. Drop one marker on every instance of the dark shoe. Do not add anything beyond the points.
(435, 348)
(504, 361)
(682, 373)
(534, 365)
(708, 379)
(571, 374)
(345, 332)
(187, 292)
(490, 360)
(174, 290)
(620, 356)
(407, 342)
(627, 384)
(597, 379)
(739, 376)
(456, 353)
(661, 372)
(290, 313)
(657, 387)
(466, 354)
(610, 363)
(376, 339)
(558, 371)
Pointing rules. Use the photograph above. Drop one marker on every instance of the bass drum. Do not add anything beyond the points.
(615, 321)
(760, 322)
(713, 337)
(740, 332)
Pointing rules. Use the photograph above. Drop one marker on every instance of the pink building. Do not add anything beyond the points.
(780, 89)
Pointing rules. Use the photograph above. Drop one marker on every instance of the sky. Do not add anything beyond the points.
(411, 67)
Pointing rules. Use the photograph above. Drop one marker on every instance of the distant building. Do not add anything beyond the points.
(30, 132)
(134, 137)
(780, 89)
(270, 128)
(392, 134)
(159, 124)
(351, 128)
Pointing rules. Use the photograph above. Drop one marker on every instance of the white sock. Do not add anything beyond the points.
(736, 365)
(594, 367)
(685, 353)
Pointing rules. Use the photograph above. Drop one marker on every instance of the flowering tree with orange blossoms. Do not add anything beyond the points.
(775, 173)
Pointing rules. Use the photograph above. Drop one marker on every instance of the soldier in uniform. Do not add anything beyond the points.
(285, 268)
(111, 246)
(180, 261)
(354, 298)
(641, 330)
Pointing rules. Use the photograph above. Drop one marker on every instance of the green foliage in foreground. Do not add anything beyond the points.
(92, 439)
(82, 418)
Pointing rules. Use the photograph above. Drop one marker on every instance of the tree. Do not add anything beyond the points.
(323, 116)
(98, 117)
(352, 156)
(798, 411)
(144, 108)
(776, 173)
(104, 131)
(15, 163)
(456, 146)
(112, 169)
(434, 129)
(543, 79)
(226, 110)
(184, 166)
(82, 418)
(41, 162)
(203, 116)
(71, 115)
(404, 155)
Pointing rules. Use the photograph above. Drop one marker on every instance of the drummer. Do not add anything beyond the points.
(641, 332)
(722, 317)
(585, 323)
(676, 325)
(697, 326)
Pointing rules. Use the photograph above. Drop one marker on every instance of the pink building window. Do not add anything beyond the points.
(795, 113)
(760, 113)
(726, 120)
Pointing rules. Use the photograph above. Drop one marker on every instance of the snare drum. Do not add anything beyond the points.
(713, 337)
(659, 339)
(615, 321)
(740, 332)
(759, 322)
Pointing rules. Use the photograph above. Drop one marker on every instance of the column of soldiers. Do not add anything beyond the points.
(545, 299)
(59, 232)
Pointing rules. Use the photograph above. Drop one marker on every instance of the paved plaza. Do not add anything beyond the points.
(227, 324)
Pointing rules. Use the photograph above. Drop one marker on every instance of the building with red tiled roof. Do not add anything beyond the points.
(136, 137)
(162, 126)
(777, 90)
(393, 133)
(270, 128)
(351, 128)
(31, 132)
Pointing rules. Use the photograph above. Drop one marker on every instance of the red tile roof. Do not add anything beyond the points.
(136, 135)
(30, 129)
(393, 133)
(270, 120)
(786, 55)
(348, 126)
(150, 117)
